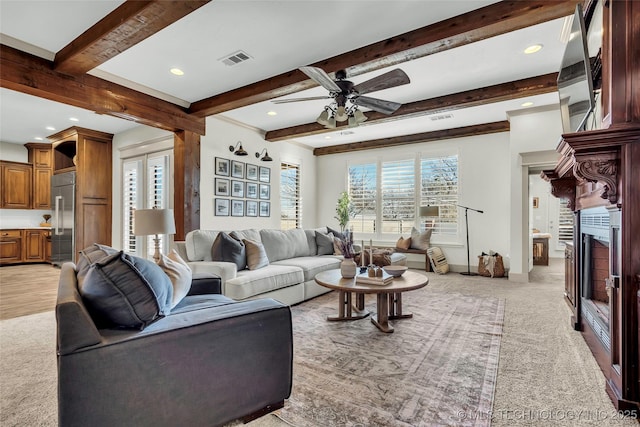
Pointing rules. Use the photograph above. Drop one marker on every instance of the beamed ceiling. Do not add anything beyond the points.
(465, 60)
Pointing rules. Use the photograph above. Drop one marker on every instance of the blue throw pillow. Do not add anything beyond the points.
(127, 291)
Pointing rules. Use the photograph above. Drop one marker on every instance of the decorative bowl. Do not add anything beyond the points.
(395, 270)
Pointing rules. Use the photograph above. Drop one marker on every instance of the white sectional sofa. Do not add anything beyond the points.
(289, 277)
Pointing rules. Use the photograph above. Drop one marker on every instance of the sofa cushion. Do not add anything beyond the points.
(420, 240)
(284, 244)
(179, 273)
(226, 248)
(198, 244)
(199, 302)
(127, 291)
(250, 283)
(249, 234)
(312, 265)
(324, 243)
(256, 255)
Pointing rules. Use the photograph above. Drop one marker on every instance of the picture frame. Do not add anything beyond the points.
(237, 188)
(265, 209)
(221, 207)
(237, 169)
(265, 174)
(252, 172)
(265, 191)
(237, 207)
(252, 208)
(222, 166)
(222, 187)
(252, 190)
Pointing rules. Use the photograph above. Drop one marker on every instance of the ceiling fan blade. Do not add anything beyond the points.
(319, 76)
(311, 98)
(388, 80)
(379, 105)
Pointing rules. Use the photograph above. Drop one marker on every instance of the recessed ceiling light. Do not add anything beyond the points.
(527, 104)
(177, 71)
(533, 48)
(73, 119)
(272, 113)
(37, 138)
(50, 128)
(327, 137)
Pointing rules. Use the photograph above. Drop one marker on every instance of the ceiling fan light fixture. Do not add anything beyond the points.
(238, 150)
(331, 123)
(323, 118)
(359, 116)
(341, 114)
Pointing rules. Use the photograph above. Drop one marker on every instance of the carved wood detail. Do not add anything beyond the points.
(599, 168)
(565, 188)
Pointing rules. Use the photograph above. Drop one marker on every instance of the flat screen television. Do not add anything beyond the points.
(575, 85)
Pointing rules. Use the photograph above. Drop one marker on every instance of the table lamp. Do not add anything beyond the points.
(429, 211)
(148, 222)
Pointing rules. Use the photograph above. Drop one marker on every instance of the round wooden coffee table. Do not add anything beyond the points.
(389, 296)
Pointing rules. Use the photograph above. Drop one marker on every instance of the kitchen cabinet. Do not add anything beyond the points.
(10, 246)
(28, 245)
(41, 157)
(16, 185)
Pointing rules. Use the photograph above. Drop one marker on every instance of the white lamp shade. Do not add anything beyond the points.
(147, 222)
(429, 211)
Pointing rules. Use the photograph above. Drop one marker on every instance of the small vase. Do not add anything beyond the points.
(348, 268)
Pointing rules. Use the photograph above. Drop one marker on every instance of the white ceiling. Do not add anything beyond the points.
(279, 36)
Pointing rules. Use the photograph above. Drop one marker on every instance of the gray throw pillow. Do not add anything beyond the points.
(256, 255)
(340, 235)
(325, 243)
(127, 291)
(228, 249)
(88, 256)
(421, 240)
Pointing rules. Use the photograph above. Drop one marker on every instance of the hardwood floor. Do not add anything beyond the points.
(27, 289)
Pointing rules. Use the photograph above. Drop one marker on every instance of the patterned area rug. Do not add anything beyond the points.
(438, 368)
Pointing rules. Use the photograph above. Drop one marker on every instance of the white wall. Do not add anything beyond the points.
(13, 152)
(483, 181)
(532, 130)
(220, 135)
(545, 217)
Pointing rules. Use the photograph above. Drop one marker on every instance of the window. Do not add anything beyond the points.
(388, 204)
(565, 222)
(146, 181)
(398, 197)
(362, 189)
(290, 202)
(439, 187)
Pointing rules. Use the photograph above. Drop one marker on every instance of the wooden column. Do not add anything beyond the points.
(186, 184)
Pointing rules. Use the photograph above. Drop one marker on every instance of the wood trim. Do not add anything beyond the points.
(480, 24)
(471, 98)
(124, 27)
(35, 76)
(461, 132)
(186, 192)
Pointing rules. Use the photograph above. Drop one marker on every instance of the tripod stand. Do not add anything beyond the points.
(466, 220)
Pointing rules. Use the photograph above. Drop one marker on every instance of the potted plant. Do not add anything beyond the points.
(344, 209)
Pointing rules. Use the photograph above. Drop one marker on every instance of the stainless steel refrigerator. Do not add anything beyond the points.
(63, 190)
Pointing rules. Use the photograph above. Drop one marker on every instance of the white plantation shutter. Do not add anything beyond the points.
(363, 193)
(398, 197)
(290, 199)
(439, 187)
(565, 222)
(146, 182)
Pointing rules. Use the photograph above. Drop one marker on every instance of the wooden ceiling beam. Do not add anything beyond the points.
(480, 24)
(438, 135)
(471, 98)
(30, 74)
(126, 26)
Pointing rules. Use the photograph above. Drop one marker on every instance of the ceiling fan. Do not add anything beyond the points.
(343, 91)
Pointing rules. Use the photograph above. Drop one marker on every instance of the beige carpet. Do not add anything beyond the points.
(546, 374)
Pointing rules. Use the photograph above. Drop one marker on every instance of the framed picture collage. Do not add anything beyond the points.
(241, 189)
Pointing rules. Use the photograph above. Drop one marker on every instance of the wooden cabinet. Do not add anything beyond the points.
(10, 246)
(540, 251)
(25, 245)
(41, 157)
(16, 183)
(570, 292)
(88, 153)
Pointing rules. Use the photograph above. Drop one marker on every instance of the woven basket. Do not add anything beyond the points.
(498, 268)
